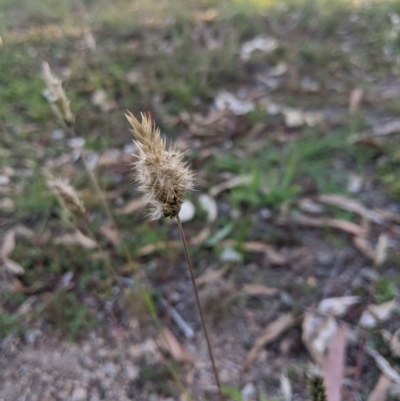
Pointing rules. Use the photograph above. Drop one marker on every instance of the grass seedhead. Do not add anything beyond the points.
(56, 96)
(161, 173)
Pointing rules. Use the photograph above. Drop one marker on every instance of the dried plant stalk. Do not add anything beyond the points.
(164, 178)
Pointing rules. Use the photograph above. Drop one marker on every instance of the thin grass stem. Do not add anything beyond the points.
(203, 323)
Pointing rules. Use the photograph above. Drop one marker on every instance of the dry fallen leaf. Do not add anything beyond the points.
(201, 237)
(377, 313)
(260, 43)
(209, 205)
(296, 118)
(270, 333)
(320, 326)
(384, 365)
(380, 391)
(350, 205)
(8, 244)
(342, 225)
(159, 246)
(257, 246)
(258, 290)
(395, 343)
(175, 348)
(210, 276)
(13, 267)
(318, 330)
(363, 245)
(111, 234)
(379, 254)
(307, 205)
(392, 127)
(76, 238)
(388, 215)
(337, 306)
(333, 365)
(355, 99)
(101, 99)
(381, 250)
(286, 388)
(226, 100)
(232, 183)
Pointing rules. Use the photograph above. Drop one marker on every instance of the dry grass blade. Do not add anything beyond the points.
(350, 205)
(380, 391)
(342, 225)
(270, 333)
(257, 246)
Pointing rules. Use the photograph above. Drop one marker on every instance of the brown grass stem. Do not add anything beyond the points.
(203, 323)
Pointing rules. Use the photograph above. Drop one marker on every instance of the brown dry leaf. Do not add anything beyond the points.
(384, 365)
(350, 205)
(307, 205)
(25, 232)
(258, 246)
(380, 391)
(377, 313)
(232, 183)
(270, 333)
(333, 365)
(362, 244)
(392, 127)
(355, 100)
(388, 215)
(342, 225)
(201, 237)
(395, 343)
(379, 254)
(208, 204)
(210, 276)
(337, 306)
(76, 238)
(13, 267)
(318, 331)
(159, 246)
(111, 234)
(132, 206)
(177, 350)
(296, 118)
(381, 250)
(258, 290)
(320, 326)
(8, 244)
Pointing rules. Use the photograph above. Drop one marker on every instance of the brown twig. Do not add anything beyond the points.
(210, 352)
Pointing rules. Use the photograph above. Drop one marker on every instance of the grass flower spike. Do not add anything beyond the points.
(56, 96)
(162, 174)
(69, 199)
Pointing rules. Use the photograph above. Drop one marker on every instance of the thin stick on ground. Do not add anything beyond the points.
(203, 323)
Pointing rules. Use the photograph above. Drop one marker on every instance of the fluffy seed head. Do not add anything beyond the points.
(161, 173)
(69, 199)
(56, 96)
